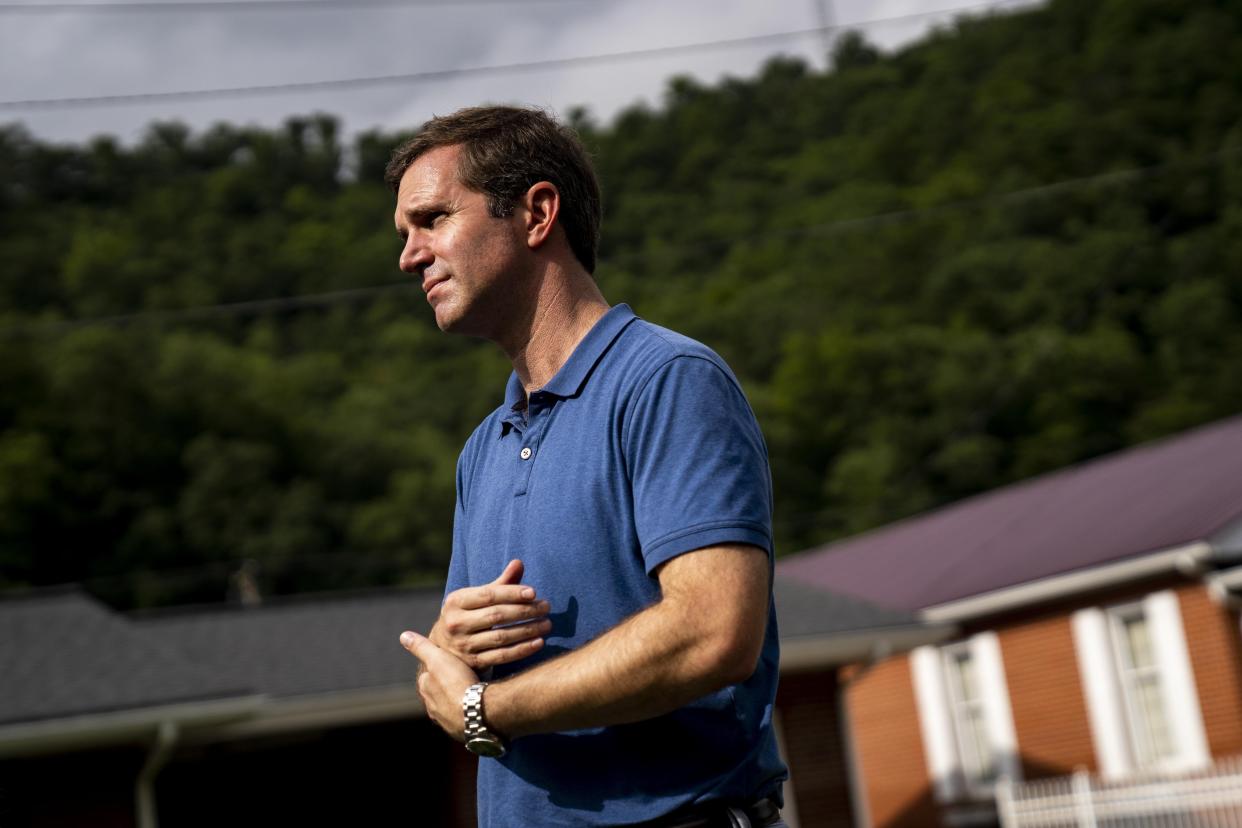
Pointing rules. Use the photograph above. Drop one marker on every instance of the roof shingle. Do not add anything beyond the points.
(64, 654)
(1146, 499)
(306, 644)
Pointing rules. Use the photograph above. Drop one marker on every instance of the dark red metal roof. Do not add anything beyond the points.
(1145, 499)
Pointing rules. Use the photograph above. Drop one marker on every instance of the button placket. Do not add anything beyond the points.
(533, 435)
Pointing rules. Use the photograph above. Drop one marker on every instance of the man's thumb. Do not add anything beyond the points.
(415, 643)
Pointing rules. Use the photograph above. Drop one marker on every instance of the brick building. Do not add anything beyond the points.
(1095, 629)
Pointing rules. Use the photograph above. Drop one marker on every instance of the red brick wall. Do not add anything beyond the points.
(1050, 719)
(1212, 640)
(814, 748)
(885, 725)
(1045, 693)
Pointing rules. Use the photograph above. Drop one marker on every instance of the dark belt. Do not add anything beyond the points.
(719, 815)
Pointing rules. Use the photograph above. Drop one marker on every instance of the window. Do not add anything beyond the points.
(1142, 691)
(969, 718)
(964, 716)
(1139, 687)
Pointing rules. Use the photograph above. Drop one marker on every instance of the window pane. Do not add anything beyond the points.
(980, 765)
(1137, 642)
(966, 669)
(1150, 735)
(968, 717)
(1154, 723)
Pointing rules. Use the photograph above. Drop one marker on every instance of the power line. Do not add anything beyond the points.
(220, 570)
(293, 303)
(468, 71)
(251, 5)
(891, 217)
(253, 307)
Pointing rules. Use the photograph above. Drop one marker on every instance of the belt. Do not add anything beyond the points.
(719, 815)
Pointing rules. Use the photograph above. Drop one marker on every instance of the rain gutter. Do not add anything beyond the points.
(1190, 559)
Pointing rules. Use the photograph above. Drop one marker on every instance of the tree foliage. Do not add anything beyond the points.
(1012, 246)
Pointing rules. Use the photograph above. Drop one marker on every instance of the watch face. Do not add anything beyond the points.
(485, 747)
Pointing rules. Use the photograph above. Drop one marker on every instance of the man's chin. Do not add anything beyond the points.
(459, 321)
(446, 320)
(449, 322)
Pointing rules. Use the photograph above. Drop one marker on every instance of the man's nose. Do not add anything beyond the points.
(416, 255)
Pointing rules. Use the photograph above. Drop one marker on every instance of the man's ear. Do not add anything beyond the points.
(543, 205)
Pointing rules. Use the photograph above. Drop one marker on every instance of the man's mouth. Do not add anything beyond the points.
(431, 284)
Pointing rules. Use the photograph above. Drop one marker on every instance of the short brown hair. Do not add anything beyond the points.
(507, 149)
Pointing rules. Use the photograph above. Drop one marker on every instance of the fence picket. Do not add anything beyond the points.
(1208, 798)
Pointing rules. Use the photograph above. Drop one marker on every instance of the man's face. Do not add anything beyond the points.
(467, 260)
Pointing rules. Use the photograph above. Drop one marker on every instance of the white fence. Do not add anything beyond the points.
(1196, 799)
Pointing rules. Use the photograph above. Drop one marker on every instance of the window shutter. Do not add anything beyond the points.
(939, 746)
(1097, 666)
(1168, 639)
(994, 690)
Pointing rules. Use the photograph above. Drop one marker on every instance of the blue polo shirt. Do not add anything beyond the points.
(641, 448)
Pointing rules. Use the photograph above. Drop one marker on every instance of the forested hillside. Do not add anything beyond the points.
(1010, 247)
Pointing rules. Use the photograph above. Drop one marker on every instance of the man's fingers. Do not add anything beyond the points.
(459, 624)
(512, 574)
(504, 655)
(504, 636)
(506, 589)
(503, 616)
(493, 594)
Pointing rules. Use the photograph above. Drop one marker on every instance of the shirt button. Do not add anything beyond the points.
(526, 452)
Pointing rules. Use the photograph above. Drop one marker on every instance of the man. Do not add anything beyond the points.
(612, 550)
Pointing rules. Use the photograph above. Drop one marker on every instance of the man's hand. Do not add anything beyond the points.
(481, 625)
(442, 681)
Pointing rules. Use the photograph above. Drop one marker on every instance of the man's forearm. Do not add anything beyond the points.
(656, 661)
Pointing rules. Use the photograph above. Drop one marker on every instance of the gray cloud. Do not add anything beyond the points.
(100, 54)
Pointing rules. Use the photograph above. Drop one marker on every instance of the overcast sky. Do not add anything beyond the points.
(90, 53)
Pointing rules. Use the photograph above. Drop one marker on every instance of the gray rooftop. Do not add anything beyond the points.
(1154, 497)
(64, 654)
(322, 643)
(804, 610)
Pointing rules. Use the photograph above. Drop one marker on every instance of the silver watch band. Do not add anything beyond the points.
(472, 707)
(479, 739)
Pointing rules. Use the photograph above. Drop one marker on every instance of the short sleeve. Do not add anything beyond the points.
(697, 463)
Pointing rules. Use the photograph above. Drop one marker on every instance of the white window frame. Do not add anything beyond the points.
(1143, 753)
(942, 728)
(966, 714)
(1110, 706)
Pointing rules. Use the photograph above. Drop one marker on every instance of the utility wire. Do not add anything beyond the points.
(874, 220)
(253, 307)
(220, 570)
(467, 71)
(252, 5)
(316, 300)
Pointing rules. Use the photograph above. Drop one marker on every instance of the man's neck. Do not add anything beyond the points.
(567, 306)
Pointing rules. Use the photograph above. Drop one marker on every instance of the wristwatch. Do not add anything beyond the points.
(479, 739)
